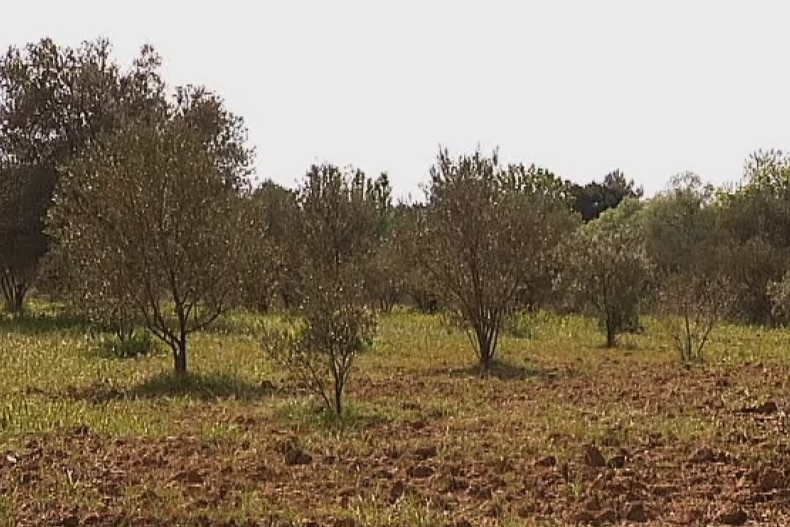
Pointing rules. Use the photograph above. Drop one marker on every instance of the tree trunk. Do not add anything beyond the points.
(611, 335)
(486, 351)
(339, 398)
(14, 294)
(180, 358)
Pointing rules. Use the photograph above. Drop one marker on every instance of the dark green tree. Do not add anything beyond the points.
(54, 101)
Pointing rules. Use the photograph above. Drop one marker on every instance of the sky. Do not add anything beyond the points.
(652, 88)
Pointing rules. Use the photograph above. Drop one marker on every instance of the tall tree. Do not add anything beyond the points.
(756, 218)
(155, 209)
(54, 101)
(594, 198)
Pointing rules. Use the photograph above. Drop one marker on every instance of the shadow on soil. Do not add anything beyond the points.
(32, 324)
(206, 387)
(504, 370)
(203, 387)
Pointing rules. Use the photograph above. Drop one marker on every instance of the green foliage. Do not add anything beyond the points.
(756, 219)
(138, 344)
(593, 199)
(487, 232)
(319, 352)
(779, 293)
(338, 235)
(54, 101)
(149, 219)
(606, 267)
(684, 240)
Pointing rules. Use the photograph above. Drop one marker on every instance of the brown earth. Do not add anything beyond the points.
(657, 444)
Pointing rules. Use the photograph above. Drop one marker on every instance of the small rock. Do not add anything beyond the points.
(420, 471)
(617, 461)
(733, 516)
(397, 490)
(426, 452)
(605, 517)
(70, 521)
(635, 512)
(592, 504)
(548, 461)
(770, 480)
(583, 517)
(297, 456)
(593, 456)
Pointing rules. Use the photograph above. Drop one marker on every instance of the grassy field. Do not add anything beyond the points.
(564, 432)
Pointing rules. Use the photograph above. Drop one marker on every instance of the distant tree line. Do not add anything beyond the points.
(131, 203)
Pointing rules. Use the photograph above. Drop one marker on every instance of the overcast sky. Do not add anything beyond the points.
(580, 87)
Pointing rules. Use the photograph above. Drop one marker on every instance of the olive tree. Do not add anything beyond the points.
(606, 267)
(684, 241)
(53, 102)
(755, 215)
(487, 229)
(152, 214)
(333, 325)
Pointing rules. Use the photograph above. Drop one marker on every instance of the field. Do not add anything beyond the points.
(563, 432)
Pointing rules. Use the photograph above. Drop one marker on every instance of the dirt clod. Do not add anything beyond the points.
(770, 479)
(593, 456)
(635, 512)
(767, 408)
(397, 490)
(733, 516)
(545, 462)
(420, 471)
(425, 452)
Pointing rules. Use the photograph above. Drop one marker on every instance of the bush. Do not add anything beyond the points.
(139, 344)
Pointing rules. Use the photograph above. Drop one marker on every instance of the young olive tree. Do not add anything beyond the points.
(333, 324)
(487, 229)
(150, 217)
(607, 268)
(683, 240)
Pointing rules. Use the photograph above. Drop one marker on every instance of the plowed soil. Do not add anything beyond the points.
(589, 438)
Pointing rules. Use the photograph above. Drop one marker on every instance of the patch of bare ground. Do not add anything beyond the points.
(591, 444)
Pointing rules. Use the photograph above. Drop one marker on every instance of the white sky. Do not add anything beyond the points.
(580, 87)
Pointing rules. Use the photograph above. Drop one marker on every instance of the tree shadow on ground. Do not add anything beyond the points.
(202, 387)
(33, 324)
(503, 370)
